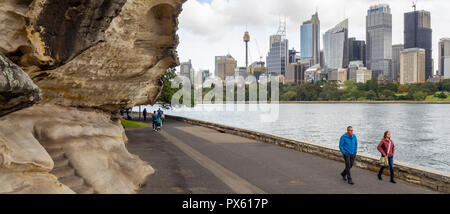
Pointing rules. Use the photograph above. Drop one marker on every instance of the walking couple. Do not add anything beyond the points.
(349, 146)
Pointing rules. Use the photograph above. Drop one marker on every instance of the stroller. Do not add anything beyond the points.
(158, 125)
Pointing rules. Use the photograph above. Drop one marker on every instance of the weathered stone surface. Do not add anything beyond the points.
(17, 91)
(125, 70)
(94, 145)
(105, 55)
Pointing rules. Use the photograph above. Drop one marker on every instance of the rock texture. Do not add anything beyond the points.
(107, 54)
(93, 144)
(89, 58)
(17, 91)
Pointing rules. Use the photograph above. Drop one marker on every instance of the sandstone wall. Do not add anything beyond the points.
(86, 60)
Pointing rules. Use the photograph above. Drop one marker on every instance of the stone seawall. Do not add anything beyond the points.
(427, 177)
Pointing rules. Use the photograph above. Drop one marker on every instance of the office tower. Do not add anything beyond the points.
(418, 34)
(186, 70)
(226, 67)
(444, 58)
(246, 40)
(396, 49)
(363, 75)
(412, 65)
(292, 56)
(356, 50)
(353, 67)
(335, 46)
(277, 58)
(379, 41)
(295, 73)
(310, 39)
(205, 75)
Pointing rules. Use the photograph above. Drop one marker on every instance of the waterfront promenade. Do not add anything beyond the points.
(193, 159)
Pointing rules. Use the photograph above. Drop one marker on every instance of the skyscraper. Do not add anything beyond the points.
(226, 67)
(356, 50)
(186, 70)
(396, 49)
(379, 41)
(335, 46)
(412, 66)
(418, 34)
(310, 39)
(278, 56)
(444, 58)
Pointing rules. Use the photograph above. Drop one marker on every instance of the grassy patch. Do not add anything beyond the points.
(127, 124)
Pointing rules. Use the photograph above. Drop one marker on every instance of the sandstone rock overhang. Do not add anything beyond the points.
(17, 91)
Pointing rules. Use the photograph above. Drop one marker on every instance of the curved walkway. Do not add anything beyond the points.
(194, 159)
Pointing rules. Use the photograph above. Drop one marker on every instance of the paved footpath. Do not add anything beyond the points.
(192, 159)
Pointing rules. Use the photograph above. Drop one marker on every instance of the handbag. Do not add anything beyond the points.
(384, 159)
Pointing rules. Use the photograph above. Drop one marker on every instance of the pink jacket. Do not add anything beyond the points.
(383, 147)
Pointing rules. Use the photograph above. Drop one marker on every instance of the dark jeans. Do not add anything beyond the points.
(349, 160)
(391, 167)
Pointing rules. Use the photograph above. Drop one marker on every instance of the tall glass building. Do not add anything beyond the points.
(379, 41)
(278, 56)
(310, 39)
(335, 46)
(396, 50)
(356, 50)
(444, 58)
(418, 34)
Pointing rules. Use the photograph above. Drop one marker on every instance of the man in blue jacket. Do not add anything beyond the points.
(349, 147)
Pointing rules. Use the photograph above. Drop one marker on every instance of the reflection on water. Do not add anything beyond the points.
(421, 132)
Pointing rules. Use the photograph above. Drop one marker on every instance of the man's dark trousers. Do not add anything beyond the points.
(349, 160)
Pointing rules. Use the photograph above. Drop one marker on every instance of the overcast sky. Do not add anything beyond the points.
(209, 28)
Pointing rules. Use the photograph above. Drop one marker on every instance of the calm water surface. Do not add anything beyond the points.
(421, 133)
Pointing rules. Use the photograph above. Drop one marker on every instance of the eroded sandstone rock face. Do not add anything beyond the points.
(17, 91)
(93, 143)
(107, 54)
(89, 59)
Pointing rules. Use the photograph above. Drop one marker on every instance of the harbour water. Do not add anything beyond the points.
(421, 132)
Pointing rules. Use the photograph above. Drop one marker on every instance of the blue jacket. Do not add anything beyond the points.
(348, 145)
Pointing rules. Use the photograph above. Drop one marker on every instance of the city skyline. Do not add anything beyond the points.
(215, 27)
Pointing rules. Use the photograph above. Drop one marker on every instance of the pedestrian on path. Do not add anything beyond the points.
(155, 120)
(145, 114)
(348, 145)
(386, 148)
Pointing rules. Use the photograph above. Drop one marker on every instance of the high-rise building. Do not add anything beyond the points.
(396, 49)
(310, 39)
(379, 41)
(278, 56)
(363, 75)
(295, 73)
(335, 46)
(226, 67)
(356, 50)
(186, 70)
(217, 59)
(418, 34)
(292, 56)
(353, 67)
(412, 66)
(444, 58)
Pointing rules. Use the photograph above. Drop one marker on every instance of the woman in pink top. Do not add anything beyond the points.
(386, 148)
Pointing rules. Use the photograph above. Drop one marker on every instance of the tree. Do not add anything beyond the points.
(167, 91)
(403, 89)
(441, 95)
(371, 95)
(419, 96)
